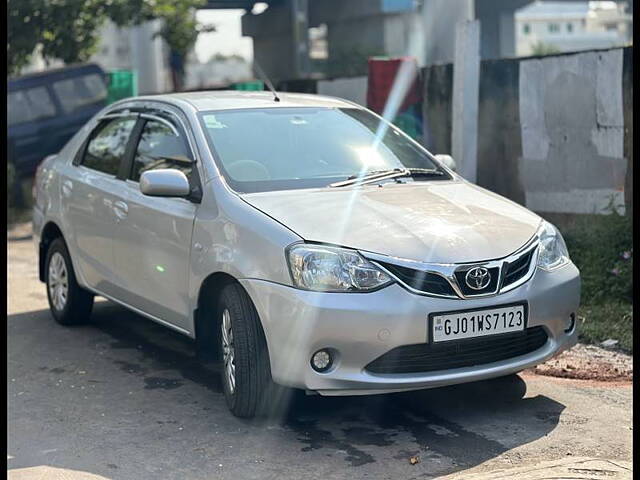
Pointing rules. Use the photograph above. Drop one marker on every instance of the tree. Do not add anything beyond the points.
(541, 48)
(68, 29)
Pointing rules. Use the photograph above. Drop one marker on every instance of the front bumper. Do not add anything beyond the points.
(363, 326)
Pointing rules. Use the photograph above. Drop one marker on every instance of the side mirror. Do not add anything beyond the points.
(447, 160)
(166, 182)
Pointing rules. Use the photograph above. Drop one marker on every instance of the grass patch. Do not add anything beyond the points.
(602, 248)
(607, 320)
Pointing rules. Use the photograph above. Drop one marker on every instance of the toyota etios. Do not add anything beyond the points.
(305, 241)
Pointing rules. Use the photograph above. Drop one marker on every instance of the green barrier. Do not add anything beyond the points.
(257, 85)
(122, 84)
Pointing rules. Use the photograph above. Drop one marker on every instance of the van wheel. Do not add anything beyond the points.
(246, 372)
(70, 304)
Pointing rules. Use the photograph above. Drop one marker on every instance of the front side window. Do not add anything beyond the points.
(159, 147)
(287, 148)
(77, 92)
(107, 147)
(28, 105)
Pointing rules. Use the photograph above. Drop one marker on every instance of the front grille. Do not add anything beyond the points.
(468, 291)
(423, 281)
(517, 269)
(429, 357)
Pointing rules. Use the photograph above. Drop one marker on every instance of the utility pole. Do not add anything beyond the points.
(300, 29)
(466, 80)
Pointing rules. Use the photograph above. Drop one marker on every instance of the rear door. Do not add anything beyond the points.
(89, 192)
(153, 238)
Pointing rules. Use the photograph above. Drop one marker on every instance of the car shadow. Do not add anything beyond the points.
(457, 427)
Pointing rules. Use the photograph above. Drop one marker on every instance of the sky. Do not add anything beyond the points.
(227, 39)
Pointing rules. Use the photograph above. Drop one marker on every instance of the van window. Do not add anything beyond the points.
(77, 92)
(28, 105)
(106, 149)
(159, 147)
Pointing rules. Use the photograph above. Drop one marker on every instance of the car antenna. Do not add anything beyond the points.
(266, 80)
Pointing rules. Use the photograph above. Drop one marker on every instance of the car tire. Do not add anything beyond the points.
(70, 304)
(246, 371)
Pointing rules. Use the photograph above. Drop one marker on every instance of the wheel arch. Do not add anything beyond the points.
(50, 232)
(206, 332)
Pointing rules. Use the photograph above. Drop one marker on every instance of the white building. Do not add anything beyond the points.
(572, 26)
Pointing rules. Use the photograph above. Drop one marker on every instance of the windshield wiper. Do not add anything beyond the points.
(371, 176)
(389, 174)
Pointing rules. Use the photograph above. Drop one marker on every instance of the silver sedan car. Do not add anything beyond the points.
(304, 242)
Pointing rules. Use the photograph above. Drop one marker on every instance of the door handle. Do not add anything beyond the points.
(67, 186)
(121, 209)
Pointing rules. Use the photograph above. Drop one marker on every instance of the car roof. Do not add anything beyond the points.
(235, 99)
(48, 76)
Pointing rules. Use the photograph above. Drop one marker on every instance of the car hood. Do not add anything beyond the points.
(439, 222)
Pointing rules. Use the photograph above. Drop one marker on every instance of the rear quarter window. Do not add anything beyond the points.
(28, 105)
(77, 92)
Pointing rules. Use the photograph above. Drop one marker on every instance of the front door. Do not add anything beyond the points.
(153, 237)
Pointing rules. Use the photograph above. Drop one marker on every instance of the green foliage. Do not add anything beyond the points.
(601, 246)
(541, 48)
(64, 29)
(68, 29)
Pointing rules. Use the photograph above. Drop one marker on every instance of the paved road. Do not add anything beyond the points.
(124, 398)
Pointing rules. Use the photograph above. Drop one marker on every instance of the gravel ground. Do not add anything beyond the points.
(589, 362)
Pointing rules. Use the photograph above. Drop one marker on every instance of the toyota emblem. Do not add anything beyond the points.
(478, 278)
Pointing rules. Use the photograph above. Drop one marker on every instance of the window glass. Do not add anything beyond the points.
(76, 92)
(553, 28)
(526, 28)
(305, 147)
(106, 148)
(160, 147)
(28, 105)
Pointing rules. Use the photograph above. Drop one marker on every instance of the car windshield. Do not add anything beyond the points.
(288, 148)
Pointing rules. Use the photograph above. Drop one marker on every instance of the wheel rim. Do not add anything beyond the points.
(58, 281)
(228, 351)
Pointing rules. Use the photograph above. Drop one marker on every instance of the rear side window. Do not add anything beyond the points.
(28, 105)
(77, 92)
(160, 147)
(107, 147)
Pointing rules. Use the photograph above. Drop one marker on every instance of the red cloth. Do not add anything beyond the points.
(382, 74)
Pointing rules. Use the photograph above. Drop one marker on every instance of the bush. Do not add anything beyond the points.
(602, 248)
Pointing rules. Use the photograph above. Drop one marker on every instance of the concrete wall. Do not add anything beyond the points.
(555, 133)
(354, 89)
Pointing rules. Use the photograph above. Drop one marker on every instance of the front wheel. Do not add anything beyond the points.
(246, 376)
(70, 304)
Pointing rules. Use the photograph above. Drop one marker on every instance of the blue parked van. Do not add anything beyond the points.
(46, 109)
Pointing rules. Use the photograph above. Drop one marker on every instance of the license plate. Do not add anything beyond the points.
(478, 323)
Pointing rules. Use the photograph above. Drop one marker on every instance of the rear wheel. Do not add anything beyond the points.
(70, 304)
(246, 373)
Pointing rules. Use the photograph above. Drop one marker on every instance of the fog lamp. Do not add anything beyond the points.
(321, 360)
(569, 323)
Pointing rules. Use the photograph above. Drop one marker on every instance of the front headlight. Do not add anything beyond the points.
(553, 252)
(333, 269)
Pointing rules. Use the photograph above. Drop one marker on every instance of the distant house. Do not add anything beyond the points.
(572, 26)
